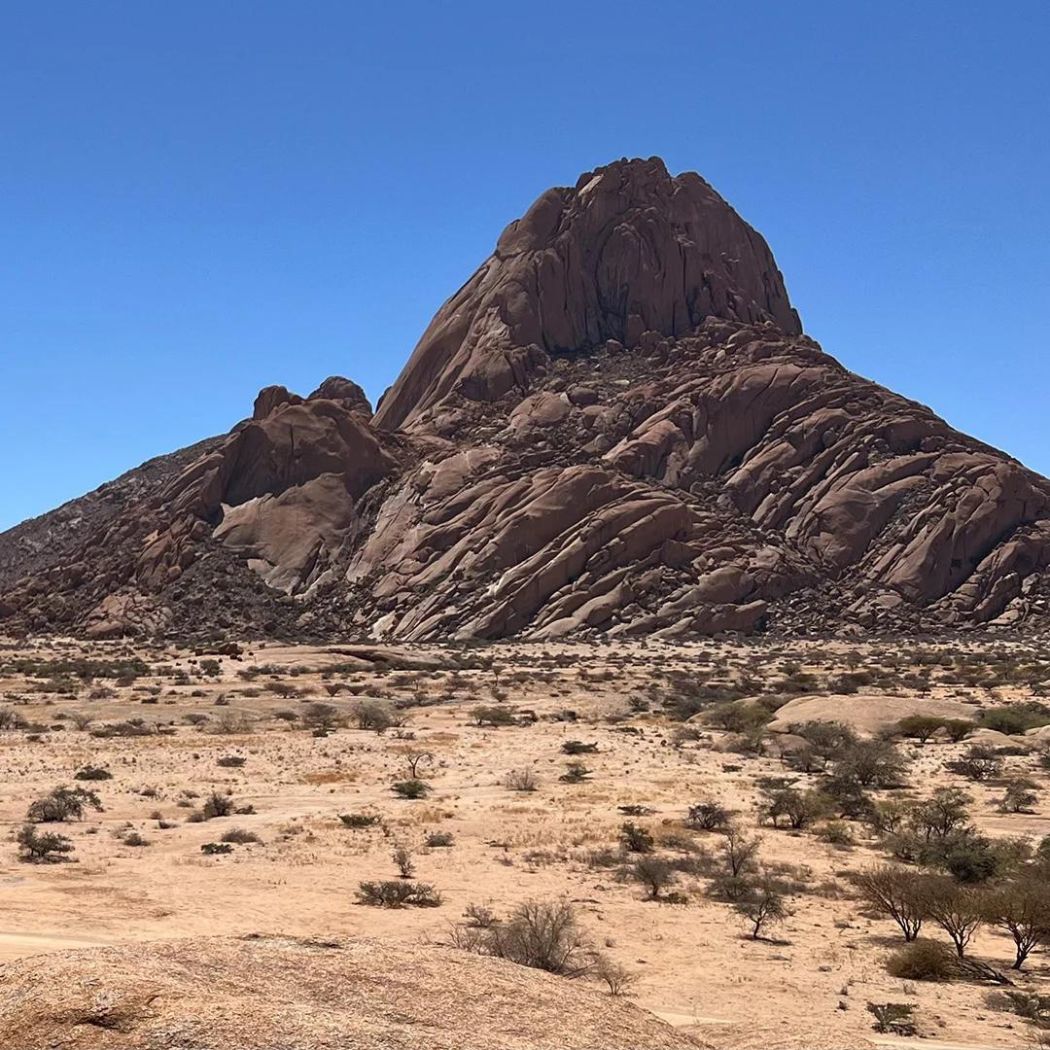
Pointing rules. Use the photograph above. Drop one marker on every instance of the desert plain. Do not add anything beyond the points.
(255, 787)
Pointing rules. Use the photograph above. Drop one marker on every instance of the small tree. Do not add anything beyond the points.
(374, 715)
(958, 910)
(62, 804)
(324, 717)
(1019, 796)
(1022, 908)
(919, 727)
(708, 816)
(43, 846)
(943, 813)
(763, 906)
(799, 809)
(979, 763)
(739, 851)
(410, 789)
(896, 893)
(871, 764)
(655, 874)
(415, 759)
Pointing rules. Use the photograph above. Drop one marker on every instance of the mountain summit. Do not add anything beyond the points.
(629, 250)
(616, 425)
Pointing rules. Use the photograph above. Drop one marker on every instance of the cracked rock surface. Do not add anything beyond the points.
(615, 426)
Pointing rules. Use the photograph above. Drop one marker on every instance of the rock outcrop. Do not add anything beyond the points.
(266, 993)
(615, 426)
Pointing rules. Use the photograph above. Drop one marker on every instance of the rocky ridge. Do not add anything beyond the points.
(273, 993)
(616, 426)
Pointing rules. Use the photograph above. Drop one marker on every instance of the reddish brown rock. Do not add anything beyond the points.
(615, 426)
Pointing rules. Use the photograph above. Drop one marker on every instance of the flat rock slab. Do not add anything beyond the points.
(868, 714)
(278, 993)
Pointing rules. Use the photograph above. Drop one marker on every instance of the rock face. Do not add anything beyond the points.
(270, 993)
(615, 426)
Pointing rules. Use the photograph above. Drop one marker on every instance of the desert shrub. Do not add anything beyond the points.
(319, 715)
(1016, 719)
(216, 805)
(402, 858)
(414, 758)
(133, 838)
(210, 849)
(824, 740)
(240, 836)
(708, 816)
(893, 1017)
(971, 858)
(11, 719)
(92, 773)
(979, 762)
(479, 916)
(730, 888)
(42, 846)
(1030, 1005)
(836, 833)
(617, 978)
(62, 804)
(922, 960)
(943, 813)
(359, 820)
(231, 761)
(439, 839)
(492, 715)
(410, 789)
(578, 747)
(396, 893)
(575, 773)
(545, 935)
(521, 780)
(655, 874)
(736, 717)
(635, 839)
(231, 723)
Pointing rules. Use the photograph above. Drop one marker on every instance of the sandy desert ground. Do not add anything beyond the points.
(172, 727)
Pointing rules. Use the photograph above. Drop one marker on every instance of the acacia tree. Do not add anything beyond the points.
(739, 850)
(896, 893)
(1022, 908)
(763, 906)
(958, 910)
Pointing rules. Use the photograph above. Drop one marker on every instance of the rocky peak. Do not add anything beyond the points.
(630, 249)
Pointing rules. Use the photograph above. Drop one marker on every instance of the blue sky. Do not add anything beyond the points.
(198, 199)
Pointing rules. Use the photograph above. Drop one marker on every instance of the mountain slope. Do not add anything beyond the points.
(616, 425)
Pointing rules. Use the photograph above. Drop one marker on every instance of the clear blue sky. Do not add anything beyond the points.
(198, 199)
